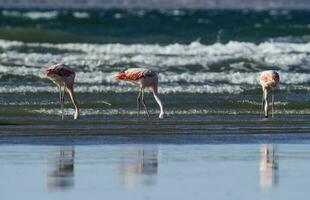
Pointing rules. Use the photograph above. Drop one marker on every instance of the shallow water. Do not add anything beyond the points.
(154, 171)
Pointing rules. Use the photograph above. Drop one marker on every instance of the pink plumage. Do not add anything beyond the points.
(269, 81)
(135, 74)
(63, 76)
(143, 78)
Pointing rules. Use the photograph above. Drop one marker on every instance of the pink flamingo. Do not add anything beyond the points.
(268, 80)
(143, 77)
(63, 75)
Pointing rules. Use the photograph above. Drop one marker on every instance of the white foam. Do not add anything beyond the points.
(194, 48)
(163, 89)
(259, 103)
(84, 112)
(224, 88)
(81, 14)
(269, 53)
(170, 82)
(21, 71)
(95, 65)
(118, 15)
(280, 55)
(34, 15)
(230, 78)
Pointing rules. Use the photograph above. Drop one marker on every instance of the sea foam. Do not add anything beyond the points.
(233, 67)
(34, 15)
(284, 56)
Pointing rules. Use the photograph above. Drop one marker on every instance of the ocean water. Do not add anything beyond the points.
(208, 63)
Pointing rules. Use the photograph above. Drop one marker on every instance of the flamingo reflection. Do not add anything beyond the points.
(269, 166)
(139, 166)
(62, 174)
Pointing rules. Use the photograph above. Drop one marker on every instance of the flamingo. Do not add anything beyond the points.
(63, 76)
(268, 80)
(143, 78)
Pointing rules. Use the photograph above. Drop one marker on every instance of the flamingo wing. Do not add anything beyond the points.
(133, 74)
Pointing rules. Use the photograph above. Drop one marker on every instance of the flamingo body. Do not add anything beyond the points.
(269, 81)
(63, 76)
(60, 74)
(143, 78)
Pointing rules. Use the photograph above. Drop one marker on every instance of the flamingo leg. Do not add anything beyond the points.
(62, 102)
(272, 109)
(266, 103)
(143, 103)
(139, 101)
(263, 103)
(59, 88)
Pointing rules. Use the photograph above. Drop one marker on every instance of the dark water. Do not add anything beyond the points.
(154, 26)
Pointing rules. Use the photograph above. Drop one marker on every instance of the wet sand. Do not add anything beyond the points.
(171, 125)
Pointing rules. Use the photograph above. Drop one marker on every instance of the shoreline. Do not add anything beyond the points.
(200, 125)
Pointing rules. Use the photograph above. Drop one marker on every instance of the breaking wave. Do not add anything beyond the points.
(195, 68)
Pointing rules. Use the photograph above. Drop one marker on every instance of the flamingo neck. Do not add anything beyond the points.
(155, 93)
(74, 102)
